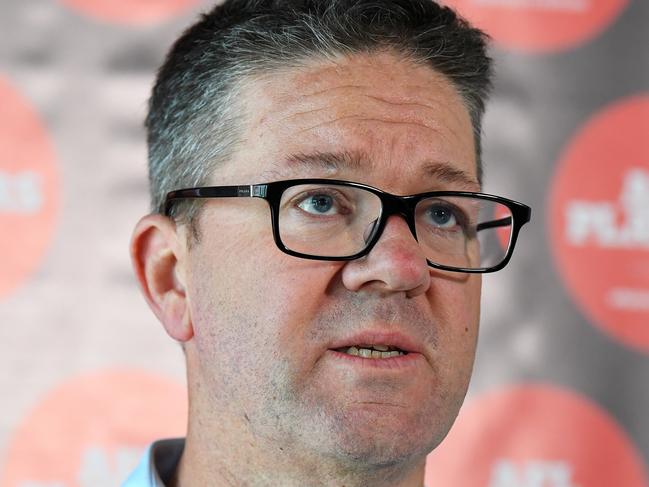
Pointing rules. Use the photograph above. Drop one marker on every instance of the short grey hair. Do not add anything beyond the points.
(193, 124)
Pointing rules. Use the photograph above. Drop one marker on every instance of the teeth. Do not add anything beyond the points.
(378, 352)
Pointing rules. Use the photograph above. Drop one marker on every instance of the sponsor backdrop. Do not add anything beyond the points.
(561, 388)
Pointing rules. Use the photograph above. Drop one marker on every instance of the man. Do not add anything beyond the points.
(329, 331)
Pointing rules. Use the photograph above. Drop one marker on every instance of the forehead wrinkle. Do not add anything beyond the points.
(398, 103)
(408, 117)
(416, 93)
(409, 95)
(333, 89)
(301, 114)
(409, 112)
(435, 107)
(365, 119)
(412, 101)
(288, 100)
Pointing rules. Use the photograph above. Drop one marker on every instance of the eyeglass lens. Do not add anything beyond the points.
(328, 220)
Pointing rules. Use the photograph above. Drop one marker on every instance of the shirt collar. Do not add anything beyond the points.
(158, 464)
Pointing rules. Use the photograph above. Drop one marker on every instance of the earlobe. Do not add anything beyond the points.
(158, 255)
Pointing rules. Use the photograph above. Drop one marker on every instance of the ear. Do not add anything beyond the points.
(158, 254)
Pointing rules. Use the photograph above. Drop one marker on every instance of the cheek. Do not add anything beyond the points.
(456, 305)
(294, 300)
(251, 317)
(249, 294)
(455, 301)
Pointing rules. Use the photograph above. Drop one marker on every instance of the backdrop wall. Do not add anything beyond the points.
(561, 388)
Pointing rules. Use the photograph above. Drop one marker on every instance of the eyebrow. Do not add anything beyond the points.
(331, 161)
(446, 173)
(357, 160)
(327, 161)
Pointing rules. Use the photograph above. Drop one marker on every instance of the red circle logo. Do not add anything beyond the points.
(28, 189)
(140, 12)
(599, 220)
(535, 436)
(540, 25)
(503, 234)
(92, 430)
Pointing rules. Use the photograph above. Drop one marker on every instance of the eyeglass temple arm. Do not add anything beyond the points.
(503, 222)
(247, 191)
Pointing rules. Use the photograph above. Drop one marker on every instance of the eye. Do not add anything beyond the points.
(442, 216)
(319, 204)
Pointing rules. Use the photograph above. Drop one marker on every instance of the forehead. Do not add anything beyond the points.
(374, 118)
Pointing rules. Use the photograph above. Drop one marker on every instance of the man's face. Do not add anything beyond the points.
(265, 323)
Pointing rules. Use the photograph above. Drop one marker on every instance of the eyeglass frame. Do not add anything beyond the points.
(391, 204)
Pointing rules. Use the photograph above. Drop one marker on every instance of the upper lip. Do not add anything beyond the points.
(380, 337)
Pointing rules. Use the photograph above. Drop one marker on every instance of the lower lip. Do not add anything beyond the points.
(396, 363)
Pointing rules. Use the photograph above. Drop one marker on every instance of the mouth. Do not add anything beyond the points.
(374, 352)
(377, 347)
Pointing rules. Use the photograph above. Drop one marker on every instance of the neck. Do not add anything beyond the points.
(250, 464)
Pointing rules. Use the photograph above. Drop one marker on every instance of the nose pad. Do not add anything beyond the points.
(370, 231)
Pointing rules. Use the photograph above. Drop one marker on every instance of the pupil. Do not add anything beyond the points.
(321, 204)
(441, 215)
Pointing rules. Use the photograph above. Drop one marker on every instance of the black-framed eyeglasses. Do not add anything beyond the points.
(326, 219)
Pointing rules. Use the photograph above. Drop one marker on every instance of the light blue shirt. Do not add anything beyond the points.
(158, 464)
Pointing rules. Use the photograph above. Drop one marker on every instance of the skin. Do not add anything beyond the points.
(269, 403)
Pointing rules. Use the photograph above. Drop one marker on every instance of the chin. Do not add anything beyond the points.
(384, 436)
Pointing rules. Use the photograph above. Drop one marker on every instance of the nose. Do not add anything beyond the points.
(395, 264)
